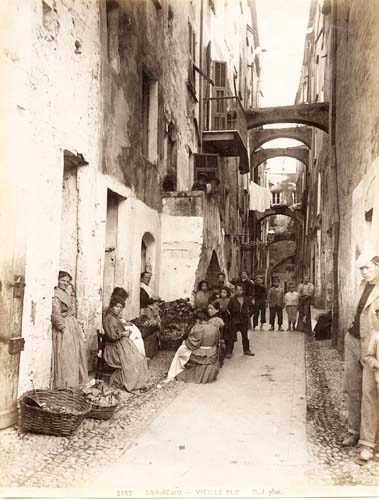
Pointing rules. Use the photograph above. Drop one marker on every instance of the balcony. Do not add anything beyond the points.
(224, 132)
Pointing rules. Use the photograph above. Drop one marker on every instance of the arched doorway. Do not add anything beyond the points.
(147, 253)
(213, 269)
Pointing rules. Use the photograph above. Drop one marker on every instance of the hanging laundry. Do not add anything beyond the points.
(260, 197)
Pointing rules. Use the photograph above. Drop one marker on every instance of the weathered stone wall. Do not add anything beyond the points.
(347, 76)
(191, 232)
(320, 198)
(55, 113)
(357, 131)
(148, 44)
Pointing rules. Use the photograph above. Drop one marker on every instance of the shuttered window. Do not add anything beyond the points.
(219, 91)
(191, 82)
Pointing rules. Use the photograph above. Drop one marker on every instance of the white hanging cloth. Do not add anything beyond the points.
(260, 197)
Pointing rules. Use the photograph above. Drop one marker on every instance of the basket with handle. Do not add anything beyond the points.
(57, 412)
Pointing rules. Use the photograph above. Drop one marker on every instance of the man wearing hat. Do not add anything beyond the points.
(362, 411)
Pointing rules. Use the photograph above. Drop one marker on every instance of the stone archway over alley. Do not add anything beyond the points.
(167, 164)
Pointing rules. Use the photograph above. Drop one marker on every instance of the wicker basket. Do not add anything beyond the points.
(48, 421)
(102, 412)
(170, 344)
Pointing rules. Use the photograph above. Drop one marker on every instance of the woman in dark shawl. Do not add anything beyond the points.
(121, 353)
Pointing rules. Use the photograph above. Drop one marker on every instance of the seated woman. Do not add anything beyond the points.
(203, 340)
(69, 364)
(222, 303)
(215, 318)
(135, 334)
(121, 353)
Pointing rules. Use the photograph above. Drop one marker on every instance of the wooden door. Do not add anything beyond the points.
(12, 283)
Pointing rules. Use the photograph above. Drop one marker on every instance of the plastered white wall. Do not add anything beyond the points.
(61, 110)
(181, 246)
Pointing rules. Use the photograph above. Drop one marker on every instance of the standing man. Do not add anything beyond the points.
(306, 291)
(275, 300)
(260, 301)
(221, 283)
(248, 285)
(360, 401)
(240, 309)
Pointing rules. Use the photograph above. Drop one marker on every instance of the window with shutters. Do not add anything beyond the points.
(205, 166)
(191, 82)
(207, 88)
(219, 92)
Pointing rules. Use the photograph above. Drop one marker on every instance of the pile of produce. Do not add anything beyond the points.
(98, 394)
(177, 318)
(146, 325)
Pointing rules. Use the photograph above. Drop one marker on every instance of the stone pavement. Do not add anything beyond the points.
(246, 431)
(270, 425)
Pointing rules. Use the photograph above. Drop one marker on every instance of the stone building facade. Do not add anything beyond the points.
(114, 112)
(340, 67)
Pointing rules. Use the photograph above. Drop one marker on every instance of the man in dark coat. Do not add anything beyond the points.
(247, 284)
(260, 301)
(240, 309)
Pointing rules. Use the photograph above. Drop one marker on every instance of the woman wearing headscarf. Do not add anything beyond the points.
(135, 334)
(131, 372)
(216, 318)
(196, 360)
(69, 361)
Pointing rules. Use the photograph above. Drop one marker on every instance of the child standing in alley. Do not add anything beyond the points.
(275, 300)
(291, 303)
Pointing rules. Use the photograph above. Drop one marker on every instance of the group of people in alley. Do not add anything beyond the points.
(226, 309)
(361, 380)
(219, 314)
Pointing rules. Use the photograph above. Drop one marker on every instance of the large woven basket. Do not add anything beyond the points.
(167, 344)
(102, 412)
(50, 420)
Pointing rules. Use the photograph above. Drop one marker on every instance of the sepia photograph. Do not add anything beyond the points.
(189, 249)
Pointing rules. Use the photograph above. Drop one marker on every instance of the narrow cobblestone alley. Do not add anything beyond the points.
(287, 443)
(262, 447)
(178, 179)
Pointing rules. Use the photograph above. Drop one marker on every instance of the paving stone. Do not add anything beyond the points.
(327, 417)
(50, 461)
